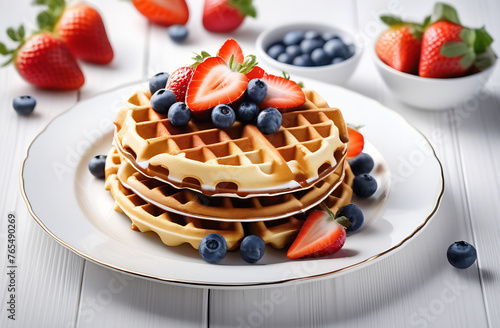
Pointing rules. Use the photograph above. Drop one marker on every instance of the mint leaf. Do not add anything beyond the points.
(454, 49)
(391, 20)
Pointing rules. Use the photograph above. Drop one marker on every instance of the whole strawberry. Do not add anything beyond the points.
(451, 50)
(399, 46)
(44, 60)
(82, 28)
(163, 12)
(226, 15)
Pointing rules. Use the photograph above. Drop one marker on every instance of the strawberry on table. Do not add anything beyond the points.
(44, 60)
(451, 50)
(82, 28)
(226, 15)
(282, 93)
(356, 142)
(163, 12)
(399, 46)
(321, 234)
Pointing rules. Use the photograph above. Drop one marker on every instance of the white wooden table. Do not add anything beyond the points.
(414, 287)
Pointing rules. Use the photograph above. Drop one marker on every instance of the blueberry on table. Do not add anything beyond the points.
(96, 166)
(179, 114)
(275, 50)
(461, 254)
(256, 90)
(178, 33)
(353, 214)
(24, 105)
(319, 57)
(162, 99)
(293, 37)
(269, 120)
(158, 81)
(247, 112)
(336, 48)
(293, 50)
(213, 248)
(363, 163)
(223, 116)
(308, 45)
(364, 185)
(303, 60)
(252, 248)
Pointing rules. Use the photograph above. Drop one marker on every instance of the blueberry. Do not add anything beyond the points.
(308, 45)
(179, 114)
(256, 90)
(303, 60)
(329, 36)
(96, 166)
(285, 58)
(247, 112)
(293, 37)
(178, 33)
(24, 105)
(223, 116)
(157, 82)
(337, 60)
(213, 248)
(269, 120)
(293, 50)
(461, 254)
(162, 100)
(312, 35)
(364, 185)
(319, 57)
(252, 248)
(353, 214)
(363, 163)
(351, 49)
(336, 48)
(275, 50)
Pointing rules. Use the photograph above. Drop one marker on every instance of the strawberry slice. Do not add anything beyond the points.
(214, 83)
(356, 143)
(229, 48)
(321, 234)
(163, 12)
(255, 73)
(179, 81)
(282, 93)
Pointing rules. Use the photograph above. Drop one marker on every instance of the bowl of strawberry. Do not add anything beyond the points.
(435, 65)
(317, 51)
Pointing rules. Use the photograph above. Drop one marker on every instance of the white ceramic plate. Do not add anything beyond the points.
(73, 207)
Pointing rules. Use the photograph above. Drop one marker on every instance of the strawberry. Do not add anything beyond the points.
(216, 82)
(321, 234)
(399, 46)
(449, 49)
(163, 12)
(282, 94)
(44, 60)
(179, 81)
(82, 28)
(229, 48)
(255, 73)
(356, 143)
(226, 15)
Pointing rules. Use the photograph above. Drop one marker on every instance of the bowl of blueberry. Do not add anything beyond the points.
(317, 51)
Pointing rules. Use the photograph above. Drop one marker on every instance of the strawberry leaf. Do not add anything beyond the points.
(454, 49)
(482, 40)
(3, 49)
(391, 20)
(468, 59)
(444, 12)
(12, 34)
(427, 22)
(343, 221)
(245, 7)
(485, 59)
(21, 32)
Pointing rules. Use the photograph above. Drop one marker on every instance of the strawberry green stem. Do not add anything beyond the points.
(342, 220)
(245, 7)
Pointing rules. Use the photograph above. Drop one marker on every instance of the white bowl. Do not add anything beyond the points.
(334, 73)
(431, 93)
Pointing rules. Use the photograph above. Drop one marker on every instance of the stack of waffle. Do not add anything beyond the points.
(184, 183)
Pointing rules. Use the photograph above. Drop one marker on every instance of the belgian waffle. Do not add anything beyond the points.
(175, 229)
(239, 161)
(195, 204)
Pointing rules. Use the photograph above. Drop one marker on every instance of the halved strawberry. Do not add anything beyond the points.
(179, 81)
(282, 93)
(163, 12)
(229, 48)
(321, 234)
(214, 82)
(256, 73)
(356, 143)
